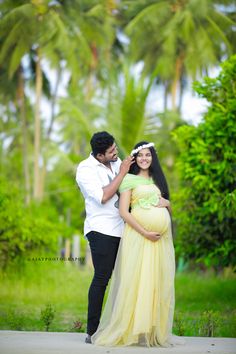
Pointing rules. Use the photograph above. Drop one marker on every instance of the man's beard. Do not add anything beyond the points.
(114, 159)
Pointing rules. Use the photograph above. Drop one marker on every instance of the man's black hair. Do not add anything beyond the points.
(100, 142)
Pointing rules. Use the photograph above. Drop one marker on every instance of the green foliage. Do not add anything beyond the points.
(15, 320)
(27, 289)
(205, 210)
(210, 320)
(47, 316)
(61, 191)
(179, 325)
(24, 229)
(24, 294)
(133, 118)
(101, 89)
(165, 146)
(206, 324)
(172, 30)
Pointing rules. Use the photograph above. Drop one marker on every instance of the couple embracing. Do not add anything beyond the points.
(128, 226)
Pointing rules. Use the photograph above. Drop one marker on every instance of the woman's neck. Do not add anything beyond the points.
(144, 174)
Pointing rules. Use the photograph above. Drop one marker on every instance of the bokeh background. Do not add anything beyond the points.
(161, 71)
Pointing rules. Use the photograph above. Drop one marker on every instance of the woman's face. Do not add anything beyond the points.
(144, 159)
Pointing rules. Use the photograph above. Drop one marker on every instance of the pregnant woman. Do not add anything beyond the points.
(140, 303)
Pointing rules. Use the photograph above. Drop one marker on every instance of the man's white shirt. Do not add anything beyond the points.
(91, 177)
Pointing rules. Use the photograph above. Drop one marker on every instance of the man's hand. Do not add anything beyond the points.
(125, 165)
(163, 203)
(111, 188)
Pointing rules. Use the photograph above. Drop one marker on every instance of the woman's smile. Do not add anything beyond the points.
(144, 159)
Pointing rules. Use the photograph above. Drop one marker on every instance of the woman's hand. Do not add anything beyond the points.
(163, 203)
(152, 236)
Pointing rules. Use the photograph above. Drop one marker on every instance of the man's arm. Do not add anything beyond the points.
(89, 183)
(111, 188)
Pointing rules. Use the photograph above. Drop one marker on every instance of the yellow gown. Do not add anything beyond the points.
(140, 302)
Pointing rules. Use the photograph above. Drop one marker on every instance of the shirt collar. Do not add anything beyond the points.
(93, 160)
(97, 163)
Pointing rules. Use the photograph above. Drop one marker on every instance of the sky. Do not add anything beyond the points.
(193, 107)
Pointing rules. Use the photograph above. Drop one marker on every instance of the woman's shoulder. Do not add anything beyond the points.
(129, 177)
(132, 181)
(129, 182)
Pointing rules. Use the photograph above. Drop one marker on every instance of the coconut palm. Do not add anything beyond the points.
(177, 37)
(26, 27)
(49, 30)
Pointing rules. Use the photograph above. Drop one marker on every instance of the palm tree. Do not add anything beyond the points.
(177, 37)
(133, 98)
(25, 27)
(22, 112)
(53, 31)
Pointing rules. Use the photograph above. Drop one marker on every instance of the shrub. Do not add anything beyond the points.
(206, 204)
(47, 316)
(24, 229)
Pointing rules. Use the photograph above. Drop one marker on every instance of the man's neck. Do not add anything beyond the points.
(107, 164)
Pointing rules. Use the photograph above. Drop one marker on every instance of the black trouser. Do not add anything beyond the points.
(104, 250)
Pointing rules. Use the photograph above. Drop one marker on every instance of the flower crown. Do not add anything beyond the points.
(144, 146)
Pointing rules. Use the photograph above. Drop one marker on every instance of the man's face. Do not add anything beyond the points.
(111, 154)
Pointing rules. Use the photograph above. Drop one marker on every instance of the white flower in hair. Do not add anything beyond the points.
(144, 146)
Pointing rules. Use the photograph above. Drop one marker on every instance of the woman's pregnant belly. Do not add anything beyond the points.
(152, 219)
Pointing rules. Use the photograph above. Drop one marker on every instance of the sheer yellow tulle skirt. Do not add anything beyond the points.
(140, 303)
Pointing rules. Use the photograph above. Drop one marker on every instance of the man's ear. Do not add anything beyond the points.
(100, 157)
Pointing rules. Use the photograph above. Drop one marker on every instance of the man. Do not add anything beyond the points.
(99, 177)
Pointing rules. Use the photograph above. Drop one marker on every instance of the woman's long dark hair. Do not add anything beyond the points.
(155, 171)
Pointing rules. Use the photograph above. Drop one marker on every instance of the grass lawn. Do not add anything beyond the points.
(205, 304)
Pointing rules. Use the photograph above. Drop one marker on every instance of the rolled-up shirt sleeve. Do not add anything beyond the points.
(89, 183)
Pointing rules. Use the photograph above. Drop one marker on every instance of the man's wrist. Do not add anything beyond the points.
(122, 173)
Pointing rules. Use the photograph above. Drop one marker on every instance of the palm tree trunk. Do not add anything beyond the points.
(166, 90)
(21, 105)
(37, 132)
(53, 103)
(53, 114)
(181, 93)
(175, 83)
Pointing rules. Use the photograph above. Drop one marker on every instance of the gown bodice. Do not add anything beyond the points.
(145, 196)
